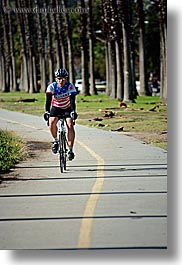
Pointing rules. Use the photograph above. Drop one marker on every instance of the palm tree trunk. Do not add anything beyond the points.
(24, 77)
(70, 46)
(128, 88)
(50, 49)
(142, 60)
(107, 48)
(113, 70)
(29, 44)
(41, 48)
(13, 85)
(84, 50)
(2, 74)
(3, 87)
(93, 89)
(60, 46)
(119, 70)
(6, 52)
(127, 68)
(163, 50)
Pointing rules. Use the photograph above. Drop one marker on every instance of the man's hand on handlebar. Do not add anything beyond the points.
(46, 117)
(74, 115)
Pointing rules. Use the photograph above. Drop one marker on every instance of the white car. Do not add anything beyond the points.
(101, 86)
(78, 84)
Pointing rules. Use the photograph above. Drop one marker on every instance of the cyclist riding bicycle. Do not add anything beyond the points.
(60, 99)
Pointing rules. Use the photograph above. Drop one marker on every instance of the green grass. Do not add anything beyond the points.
(13, 101)
(12, 150)
(137, 119)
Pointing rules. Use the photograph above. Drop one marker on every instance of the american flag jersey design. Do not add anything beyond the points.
(61, 95)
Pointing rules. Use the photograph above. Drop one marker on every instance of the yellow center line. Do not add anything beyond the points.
(23, 124)
(87, 223)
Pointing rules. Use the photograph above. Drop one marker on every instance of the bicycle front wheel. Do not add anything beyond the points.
(62, 152)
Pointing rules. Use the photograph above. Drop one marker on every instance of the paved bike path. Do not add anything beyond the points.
(113, 195)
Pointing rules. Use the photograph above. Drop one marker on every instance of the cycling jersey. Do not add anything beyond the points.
(61, 95)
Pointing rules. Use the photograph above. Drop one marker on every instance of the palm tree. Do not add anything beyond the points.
(41, 47)
(69, 43)
(4, 52)
(142, 60)
(112, 39)
(84, 49)
(61, 46)
(119, 52)
(163, 49)
(128, 88)
(108, 22)
(114, 52)
(50, 49)
(93, 89)
(24, 77)
(30, 41)
(2, 67)
(13, 81)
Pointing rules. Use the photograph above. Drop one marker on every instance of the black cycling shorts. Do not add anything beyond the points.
(55, 112)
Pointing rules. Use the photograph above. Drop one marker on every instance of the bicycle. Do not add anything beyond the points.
(62, 139)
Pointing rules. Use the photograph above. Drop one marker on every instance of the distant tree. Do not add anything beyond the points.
(112, 40)
(93, 89)
(142, 57)
(13, 81)
(30, 40)
(119, 53)
(163, 49)
(32, 48)
(128, 84)
(41, 47)
(5, 52)
(60, 37)
(132, 46)
(108, 22)
(104, 39)
(84, 49)
(2, 57)
(24, 76)
(69, 43)
(50, 48)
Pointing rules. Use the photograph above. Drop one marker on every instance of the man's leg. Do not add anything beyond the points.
(53, 126)
(53, 130)
(71, 137)
(71, 132)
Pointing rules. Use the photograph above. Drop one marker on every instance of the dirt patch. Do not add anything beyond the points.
(149, 138)
(35, 146)
(34, 149)
(7, 177)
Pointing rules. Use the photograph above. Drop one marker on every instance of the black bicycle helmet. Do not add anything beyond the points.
(61, 73)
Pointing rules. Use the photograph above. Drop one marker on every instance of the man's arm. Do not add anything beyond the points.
(73, 93)
(72, 101)
(48, 101)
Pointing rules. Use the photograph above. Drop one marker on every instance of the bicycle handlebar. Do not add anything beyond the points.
(64, 116)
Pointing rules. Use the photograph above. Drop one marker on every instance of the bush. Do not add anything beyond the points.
(12, 150)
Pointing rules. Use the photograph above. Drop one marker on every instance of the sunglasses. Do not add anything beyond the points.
(61, 78)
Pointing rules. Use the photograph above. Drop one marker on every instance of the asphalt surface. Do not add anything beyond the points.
(112, 196)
